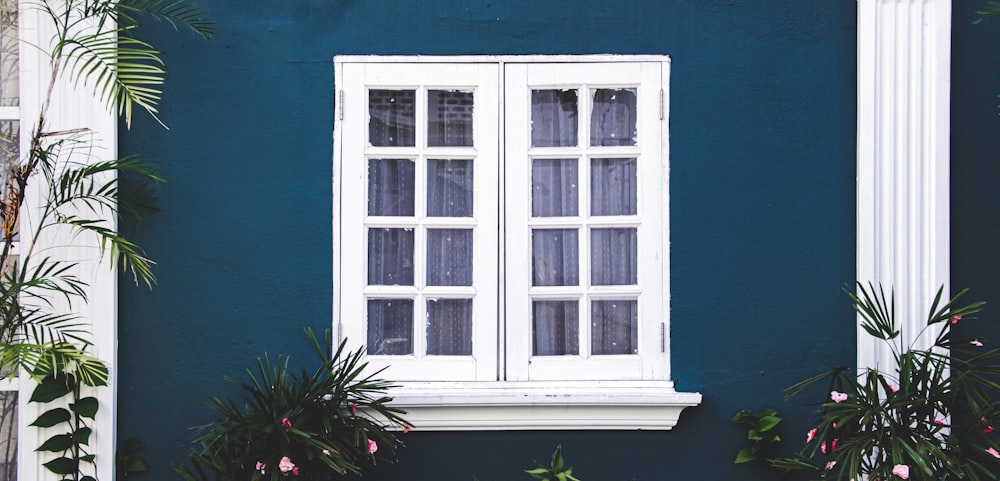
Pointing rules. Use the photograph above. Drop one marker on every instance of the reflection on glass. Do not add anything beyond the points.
(449, 257)
(9, 64)
(449, 188)
(613, 327)
(554, 115)
(390, 257)
(390, 326)
(555, 328)
(613, 257)
(391, 184)
(392, 117)
(613, 121)
(449, 118)
(554, 257)
(449, 327)
(613, 187)
(554, 188)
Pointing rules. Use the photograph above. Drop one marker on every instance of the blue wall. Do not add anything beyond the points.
(762, 210)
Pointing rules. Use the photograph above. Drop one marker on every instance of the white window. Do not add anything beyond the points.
(501, 231)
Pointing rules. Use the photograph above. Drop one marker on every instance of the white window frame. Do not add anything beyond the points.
(502, 399)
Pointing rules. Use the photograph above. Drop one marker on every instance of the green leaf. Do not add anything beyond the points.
(51, 418)
(62, 466)
(746, 455)
(86, 407)
(49, 390)
(57, 444)
(769, 422)
(88, 478)
(136, 466)
(82, 435)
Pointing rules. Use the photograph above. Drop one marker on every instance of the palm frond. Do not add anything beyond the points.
(176, 13)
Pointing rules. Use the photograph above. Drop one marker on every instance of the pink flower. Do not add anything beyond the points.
(830, 465)
(993, 452)
(260, 467)
(811, 435)
(955, 319)
(286, 465)
(822, 447)
(372, 447)
(838, 397)
(326, 452)
(988, 429)
(295, 471)
(833, 445)
(976, 343)
(893, 388)
(354, 408)
(407, 427)
(901, 470)
(286, 423)
(938, 422)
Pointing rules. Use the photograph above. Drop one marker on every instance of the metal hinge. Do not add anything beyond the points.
(340, 105)
(661, 103)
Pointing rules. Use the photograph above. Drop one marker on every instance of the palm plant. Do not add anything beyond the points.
(94, 45)
(929, 418)
(314, 425)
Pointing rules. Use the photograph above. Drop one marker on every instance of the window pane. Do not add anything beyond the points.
(449, 257)
(449, 188)
(613, 257)
(613, 326)
(554, 188)
(613, 120)
(9, 65)
(449, 118)
(391, 184)
(613, 187)
(390, 326)
(390, 257)
(554, 118)
(555, 328)
(554, 257)
(10, 149)
(449, 327)
(8, 435)
(392, 116)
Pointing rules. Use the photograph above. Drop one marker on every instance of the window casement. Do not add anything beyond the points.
(500, 237)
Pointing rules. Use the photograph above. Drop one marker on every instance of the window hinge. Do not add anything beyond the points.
(663, 337)
(340, 105)
(661, 103)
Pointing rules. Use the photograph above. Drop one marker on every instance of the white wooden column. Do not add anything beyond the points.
(904, 81)
(73, 106)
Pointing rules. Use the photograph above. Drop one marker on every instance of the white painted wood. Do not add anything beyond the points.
(72, 107)
(649, 78)
(350, 171)
(903, 160)
(543, 405)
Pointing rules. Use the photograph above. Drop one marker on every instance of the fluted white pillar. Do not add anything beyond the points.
(904, 77)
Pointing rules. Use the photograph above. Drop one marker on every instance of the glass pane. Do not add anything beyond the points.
(8, 435)
(10, 150)
(554, 257)
(613, 120)
(449, 118)
(554, 118)
(392, 116)
(554, 188)
(449, 327)
(390, 326)
(555, 328)
(449, 257)
(449, 188)
(613, 187)
(391, 184)
(613, 257)
(9, 68)
(390, 257)
(613, 326)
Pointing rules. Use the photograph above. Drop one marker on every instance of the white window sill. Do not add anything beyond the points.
(478, 406)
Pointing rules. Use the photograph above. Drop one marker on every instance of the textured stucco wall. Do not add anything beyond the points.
(762, 210)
